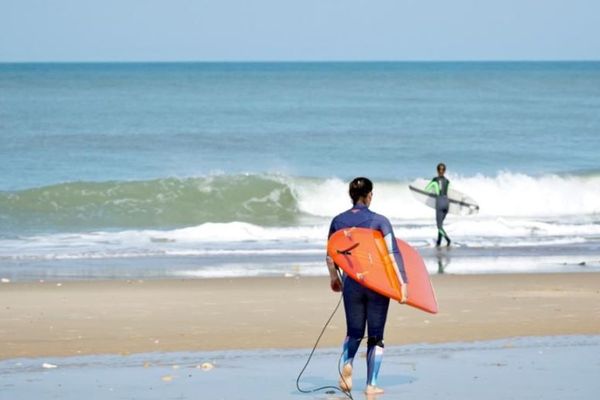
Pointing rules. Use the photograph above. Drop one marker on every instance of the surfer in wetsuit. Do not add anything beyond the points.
(439, 186)
(363, 306)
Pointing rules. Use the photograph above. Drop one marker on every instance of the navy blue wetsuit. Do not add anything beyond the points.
(365, 307)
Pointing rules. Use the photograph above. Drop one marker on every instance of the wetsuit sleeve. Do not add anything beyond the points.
(433, 186)
(332, 228)
(390, 240)
(331, 267)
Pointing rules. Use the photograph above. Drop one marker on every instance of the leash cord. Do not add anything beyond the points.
(312, 352)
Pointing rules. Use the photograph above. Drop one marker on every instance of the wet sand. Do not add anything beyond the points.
(549, 368)
(125, 317)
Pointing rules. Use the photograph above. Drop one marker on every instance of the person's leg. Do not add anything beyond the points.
(439, 221)
(377, 309)
(445, 213)
(356, 318)
(441, 211)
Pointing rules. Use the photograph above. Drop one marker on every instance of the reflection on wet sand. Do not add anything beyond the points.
(442, 256)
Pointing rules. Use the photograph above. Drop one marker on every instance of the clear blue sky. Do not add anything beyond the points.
(261, 30)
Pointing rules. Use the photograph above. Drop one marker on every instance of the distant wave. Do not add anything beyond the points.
(273, 201)
(160, 203)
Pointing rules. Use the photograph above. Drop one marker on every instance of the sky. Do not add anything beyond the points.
(298, 30)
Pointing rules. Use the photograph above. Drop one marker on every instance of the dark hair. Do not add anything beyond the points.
(360, 187)
(441, 166)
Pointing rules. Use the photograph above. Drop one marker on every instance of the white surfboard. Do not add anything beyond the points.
(460, 203)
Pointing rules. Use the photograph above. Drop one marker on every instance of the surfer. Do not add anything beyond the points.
(439, 186)
(363, 306)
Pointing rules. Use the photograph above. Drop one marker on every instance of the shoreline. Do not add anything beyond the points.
(125, 317)
(533, 367)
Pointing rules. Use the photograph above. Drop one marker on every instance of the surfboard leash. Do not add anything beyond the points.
(312, 352)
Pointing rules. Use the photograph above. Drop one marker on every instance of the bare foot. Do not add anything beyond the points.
(373, 390)
(346, 378)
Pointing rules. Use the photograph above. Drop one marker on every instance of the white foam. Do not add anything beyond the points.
(253, 270)
(505, 195)
(243, 239)
(239, 231)
(516, 210)
(511, 264)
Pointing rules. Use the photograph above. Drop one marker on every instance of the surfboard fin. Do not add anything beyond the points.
(347, 251)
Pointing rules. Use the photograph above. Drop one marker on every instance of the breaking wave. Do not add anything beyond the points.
(273, 200)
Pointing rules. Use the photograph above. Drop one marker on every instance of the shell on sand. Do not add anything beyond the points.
(206, 366)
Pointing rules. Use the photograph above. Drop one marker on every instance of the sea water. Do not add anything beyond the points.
(232, 169)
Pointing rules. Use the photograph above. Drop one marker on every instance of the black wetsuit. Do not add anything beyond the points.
(440, 185)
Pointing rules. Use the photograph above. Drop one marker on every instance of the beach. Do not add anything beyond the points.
(158, 217)
(126, 317)
(504, 336)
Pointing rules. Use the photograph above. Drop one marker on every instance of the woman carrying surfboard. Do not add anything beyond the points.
(364, 307)
(439, 186)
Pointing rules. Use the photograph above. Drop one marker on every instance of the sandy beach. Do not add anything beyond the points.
(127, 317)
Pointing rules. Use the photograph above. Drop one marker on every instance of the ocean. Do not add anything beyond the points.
(197, 170)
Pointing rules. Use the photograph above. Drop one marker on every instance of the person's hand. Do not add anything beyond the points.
(403, 293)
(330, 263)
(336, 284)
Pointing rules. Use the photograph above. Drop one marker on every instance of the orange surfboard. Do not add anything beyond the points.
(362, 254)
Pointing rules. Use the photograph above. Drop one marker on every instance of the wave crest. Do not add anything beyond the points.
(274, 200)
(160, 203)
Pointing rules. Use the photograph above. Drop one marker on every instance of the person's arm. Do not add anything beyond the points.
(395, 258)
(334, 277)
(433, 187)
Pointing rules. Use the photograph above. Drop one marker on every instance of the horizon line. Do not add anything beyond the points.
(341, 61)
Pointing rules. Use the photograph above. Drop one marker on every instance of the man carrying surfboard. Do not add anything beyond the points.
(364, 307)
(439, 186)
